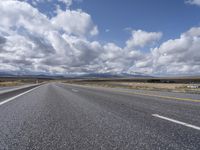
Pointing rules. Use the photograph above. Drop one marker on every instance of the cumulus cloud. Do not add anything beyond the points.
(142, 38)
(31, 42)
(179, 55)
(2, 40)
(172, 57)
(193, 2)
(75, 22)
(66, 2)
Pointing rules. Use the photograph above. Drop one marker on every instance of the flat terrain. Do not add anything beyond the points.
(10, 83)
(64, 116)
(172, 87)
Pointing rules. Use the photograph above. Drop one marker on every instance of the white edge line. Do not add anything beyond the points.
(12, 98)
(176, 121)
(16, 88)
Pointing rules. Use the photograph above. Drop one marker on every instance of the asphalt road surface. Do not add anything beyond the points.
(60, 116)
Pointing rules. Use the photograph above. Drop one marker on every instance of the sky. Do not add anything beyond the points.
(62, 37)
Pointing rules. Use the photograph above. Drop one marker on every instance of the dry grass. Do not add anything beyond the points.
(153, 85)
(10, 83)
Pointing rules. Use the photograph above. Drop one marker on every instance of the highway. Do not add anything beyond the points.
(57, 116)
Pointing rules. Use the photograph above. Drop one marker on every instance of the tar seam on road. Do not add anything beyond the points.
(12, 98)
(176, 121)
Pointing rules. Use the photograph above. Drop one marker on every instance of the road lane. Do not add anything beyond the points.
(14, 88)
(54, 116)
(179, 95)
(12, 93)
(182, 110)
(176, 121)
(16, 96)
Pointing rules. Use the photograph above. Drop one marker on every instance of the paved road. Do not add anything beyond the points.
(16, 88)
(57, 116)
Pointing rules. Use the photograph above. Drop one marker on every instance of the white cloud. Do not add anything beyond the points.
(142, 38)
(75, 22)
(30, 42)
(179, 55)
(193, 2)
(35, 3)
(42, 46)
(66, 2)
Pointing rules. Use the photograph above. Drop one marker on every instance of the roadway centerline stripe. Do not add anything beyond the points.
(74, 90)
(176, 121)
(12, 98)
(143, 94)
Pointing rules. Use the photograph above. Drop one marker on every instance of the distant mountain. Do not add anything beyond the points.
(108, 75)
(43, 76)
(2, 74)
(85, 76)
(136, 75)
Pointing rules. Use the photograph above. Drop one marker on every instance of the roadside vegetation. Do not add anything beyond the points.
(171, 87)
(7, 82)
(10, 83)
